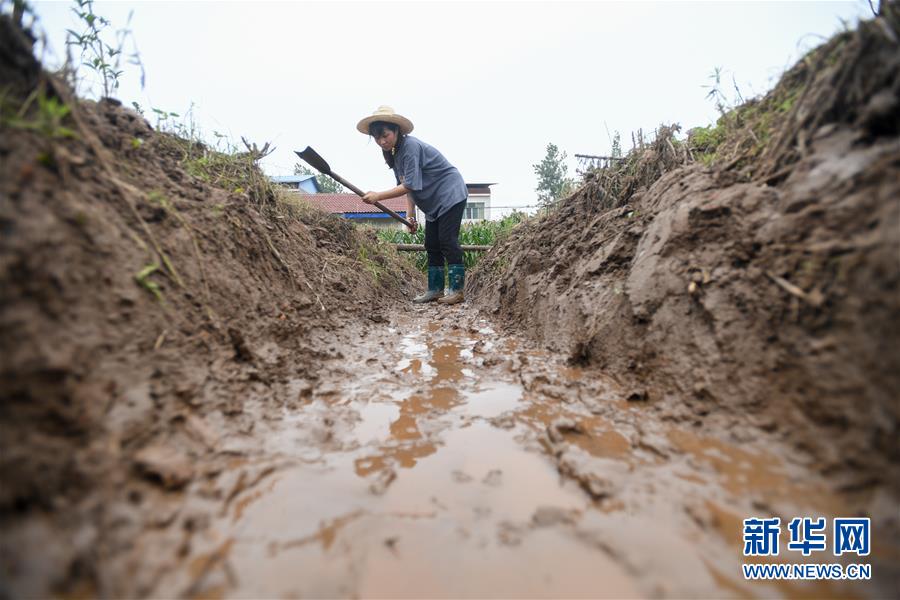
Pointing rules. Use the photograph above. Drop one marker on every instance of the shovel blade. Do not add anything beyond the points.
(313, 159)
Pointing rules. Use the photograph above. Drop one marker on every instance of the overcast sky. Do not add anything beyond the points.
(488, 84)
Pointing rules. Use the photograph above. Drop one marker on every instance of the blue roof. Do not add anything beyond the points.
(291, 178)
(371, 215)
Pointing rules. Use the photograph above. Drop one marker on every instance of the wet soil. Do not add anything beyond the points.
(273, 418)
(761, 290)
(437, 458)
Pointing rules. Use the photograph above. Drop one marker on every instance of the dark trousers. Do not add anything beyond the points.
(442, 237)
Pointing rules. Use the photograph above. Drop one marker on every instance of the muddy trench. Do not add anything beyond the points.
(433, 457)
(274, 418)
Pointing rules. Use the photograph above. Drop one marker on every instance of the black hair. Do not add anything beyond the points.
(376, 130)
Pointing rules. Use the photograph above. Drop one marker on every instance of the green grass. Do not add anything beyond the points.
(40, 113)
(142, 278)
(744, 132)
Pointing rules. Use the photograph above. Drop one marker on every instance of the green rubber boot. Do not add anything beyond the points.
(435, 286)
(457, 284)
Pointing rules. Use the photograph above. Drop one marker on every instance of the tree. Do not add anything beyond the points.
(326, 183)
(551, 172)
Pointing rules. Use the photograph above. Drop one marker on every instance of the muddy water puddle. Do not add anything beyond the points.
(457, 465)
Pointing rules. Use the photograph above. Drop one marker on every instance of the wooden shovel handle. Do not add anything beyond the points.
(361, 193)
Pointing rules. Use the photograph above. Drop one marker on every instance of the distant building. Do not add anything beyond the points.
(301, 183)
(351, 206)
(478, 207)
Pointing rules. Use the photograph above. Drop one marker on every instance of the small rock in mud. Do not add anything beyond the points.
(461, 477)
(232, 407)
(302, 390)
(600, 477)
(638, 395)
(547, 516)
(326, 391)
(540, 384)
(494, 478)
(509, 534)
(382, 481)
(482, 512)
(559, 392)
(515, 363)
(201, 431)
(559, 427)
(391, 543)
(166, 465)
(505, 421)
(241, 350)
(655, 443)
(164, 516)
(491, 360)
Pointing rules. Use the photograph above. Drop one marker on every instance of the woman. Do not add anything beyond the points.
(432, 184)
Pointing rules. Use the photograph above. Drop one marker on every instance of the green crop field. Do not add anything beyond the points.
(484, 233)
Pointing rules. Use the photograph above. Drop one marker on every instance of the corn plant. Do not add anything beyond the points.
(479, 233)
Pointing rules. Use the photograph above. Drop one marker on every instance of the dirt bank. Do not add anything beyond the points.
(142, 290)
(761, 288)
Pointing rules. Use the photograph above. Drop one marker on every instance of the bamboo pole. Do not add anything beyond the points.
(421, 248)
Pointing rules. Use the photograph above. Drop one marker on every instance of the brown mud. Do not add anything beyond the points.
(436, 459)
(209, 393)
(761, 288)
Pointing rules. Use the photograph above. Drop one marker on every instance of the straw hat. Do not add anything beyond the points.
(387, 114)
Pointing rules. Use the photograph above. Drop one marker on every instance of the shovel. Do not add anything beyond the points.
(318, 163)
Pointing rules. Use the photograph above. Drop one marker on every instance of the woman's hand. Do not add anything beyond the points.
(413, 226)
(371, 197)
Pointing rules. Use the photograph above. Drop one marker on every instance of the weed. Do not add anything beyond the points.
(46, 159)
(142, 278)
(238, 172)
(161, 199)
(224, 143)
(705, 158)
(500, 264)
(47, 119)
(368, 258)
(98, 55)
(715, 91)
(163, 117)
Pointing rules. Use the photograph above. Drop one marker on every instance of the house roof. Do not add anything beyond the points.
(291, 178)
(479, 189)
(351, 203)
